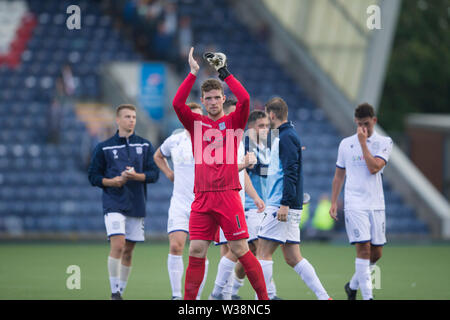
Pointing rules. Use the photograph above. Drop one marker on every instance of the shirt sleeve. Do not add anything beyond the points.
(166, 147)
(184, 113)
(385, 150)
(290, 158)
(151, 170)
(97, 167)
(240, 116)
(340, 163)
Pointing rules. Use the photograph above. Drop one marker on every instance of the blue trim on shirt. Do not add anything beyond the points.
(381, 158)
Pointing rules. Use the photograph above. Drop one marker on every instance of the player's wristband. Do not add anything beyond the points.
(223, 73)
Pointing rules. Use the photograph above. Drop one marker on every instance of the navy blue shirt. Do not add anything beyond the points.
(110, 159)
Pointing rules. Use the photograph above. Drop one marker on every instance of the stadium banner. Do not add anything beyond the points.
(152, 89)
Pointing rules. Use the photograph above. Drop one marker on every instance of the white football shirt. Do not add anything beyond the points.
(363, 190)
(179, 147)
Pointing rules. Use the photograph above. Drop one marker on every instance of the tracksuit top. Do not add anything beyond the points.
(285, 177)
(110, 159)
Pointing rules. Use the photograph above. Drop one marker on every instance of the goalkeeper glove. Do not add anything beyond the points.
(218, 61)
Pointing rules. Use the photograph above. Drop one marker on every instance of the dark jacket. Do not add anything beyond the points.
(110, 158)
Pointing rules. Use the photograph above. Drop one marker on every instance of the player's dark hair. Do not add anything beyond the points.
(211, 84)
(228, 104)
(125, 106)
(279, 107)
(256, 115)
(194, 105)
(364, 110)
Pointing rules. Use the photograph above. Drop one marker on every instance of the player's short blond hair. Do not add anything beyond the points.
(125, 106)
(194, 105)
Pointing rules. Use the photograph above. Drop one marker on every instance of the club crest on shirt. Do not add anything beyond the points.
(115, 154)
(222, 126)
(139, 150)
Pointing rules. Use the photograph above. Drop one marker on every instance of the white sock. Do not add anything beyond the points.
(124, 273)
(200, 290)
(175, 267)
(354, 284)
(228, 287)
(267, 268)
(224, 270)
(237, 284)
(308, 274)
(114, 273)
(362, 270)
(272, 289)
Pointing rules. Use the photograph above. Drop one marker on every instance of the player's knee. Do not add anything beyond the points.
(196, 251)
(176, 248)
(117, 249)
(239, 250)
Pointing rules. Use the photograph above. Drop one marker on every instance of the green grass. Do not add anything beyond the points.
(38, 271)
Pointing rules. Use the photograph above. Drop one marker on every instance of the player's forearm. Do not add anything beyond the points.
(336, 189)
(239, 91)
(179, 101)
(249, 189)
(370, 160)
(162, 164)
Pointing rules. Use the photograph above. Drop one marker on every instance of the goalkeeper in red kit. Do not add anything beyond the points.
(215, 140)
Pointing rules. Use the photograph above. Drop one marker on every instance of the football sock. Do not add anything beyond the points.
(362, 270)
(123, 279)
(255, 274)
(354, 281)
(194, 277)
(200, 290)
(308, 274)
(227, 290)
(237, 284)
(114, 273)
(175, 267)
(267, 268)
(272, 289)
(224, 271)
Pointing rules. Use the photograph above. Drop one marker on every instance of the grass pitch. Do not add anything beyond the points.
(39, 271)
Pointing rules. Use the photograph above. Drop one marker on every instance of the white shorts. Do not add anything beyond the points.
(280, 231)
(253, 219)
(366, 225)
(131, 227)
(179, 214)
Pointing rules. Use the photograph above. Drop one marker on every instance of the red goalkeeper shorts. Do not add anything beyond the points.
(217, 208)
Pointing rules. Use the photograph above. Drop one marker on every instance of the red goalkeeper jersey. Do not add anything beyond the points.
(214, 143)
